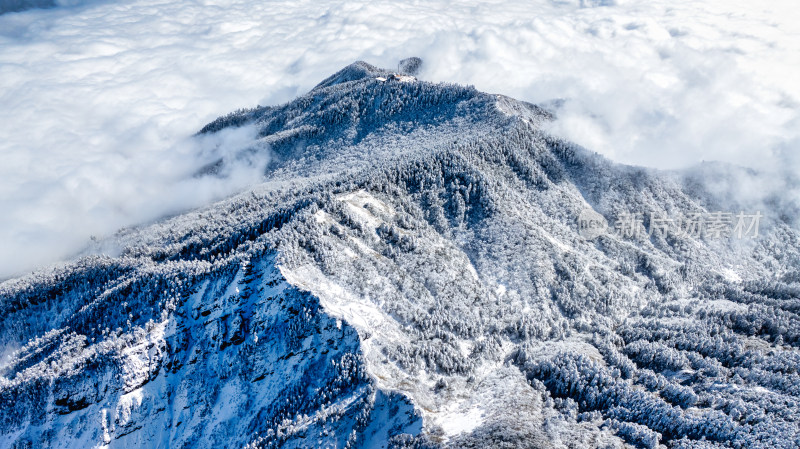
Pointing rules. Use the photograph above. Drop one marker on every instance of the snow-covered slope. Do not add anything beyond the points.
(412, 274)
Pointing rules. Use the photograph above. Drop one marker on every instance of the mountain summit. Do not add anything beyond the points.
(424, 266)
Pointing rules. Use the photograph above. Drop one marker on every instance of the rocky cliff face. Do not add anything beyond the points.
(413, 273)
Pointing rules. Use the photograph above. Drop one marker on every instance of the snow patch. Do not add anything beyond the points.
(460, 422)
(358, 201)
(730, 275)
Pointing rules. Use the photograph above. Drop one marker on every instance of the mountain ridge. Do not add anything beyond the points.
(411, 273)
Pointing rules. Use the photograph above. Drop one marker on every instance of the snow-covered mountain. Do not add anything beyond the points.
(415, 272)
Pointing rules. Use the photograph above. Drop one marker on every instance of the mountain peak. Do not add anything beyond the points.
(358, 70)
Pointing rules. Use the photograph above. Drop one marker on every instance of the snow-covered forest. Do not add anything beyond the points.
(412, 275)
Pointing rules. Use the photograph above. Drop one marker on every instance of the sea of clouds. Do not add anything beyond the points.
(99, 99)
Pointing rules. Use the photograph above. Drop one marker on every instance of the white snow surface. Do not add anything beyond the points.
(98, 99)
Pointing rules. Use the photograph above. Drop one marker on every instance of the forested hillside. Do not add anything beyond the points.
(413, 273)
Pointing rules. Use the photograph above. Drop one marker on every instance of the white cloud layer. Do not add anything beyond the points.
(98, 99)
